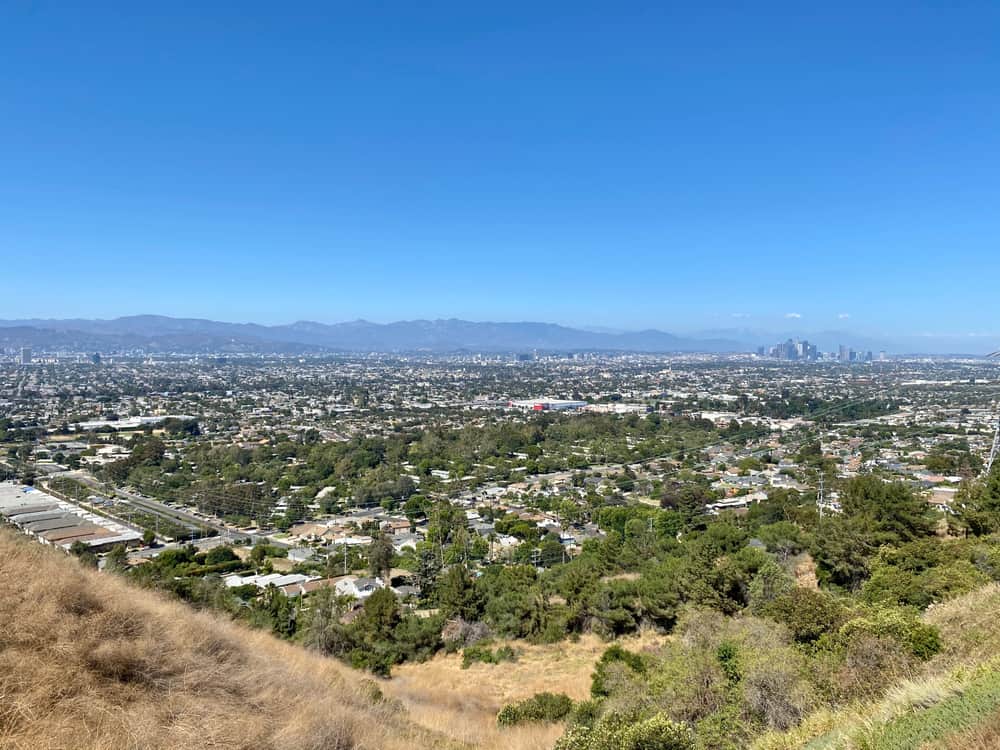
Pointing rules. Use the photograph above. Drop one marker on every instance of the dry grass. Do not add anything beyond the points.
(968, 626)
(463, 703)
(89, 663)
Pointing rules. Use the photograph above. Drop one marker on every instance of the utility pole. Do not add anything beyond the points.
(440, 537)
(994, 451)
(820, 500)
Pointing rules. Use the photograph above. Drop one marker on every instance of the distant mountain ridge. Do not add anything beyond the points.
(163, 333)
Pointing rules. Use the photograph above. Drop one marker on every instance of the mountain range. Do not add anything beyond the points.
(159, 333)
(156, 333)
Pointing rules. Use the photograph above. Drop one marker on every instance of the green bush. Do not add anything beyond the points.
(807, 613)
(902, 626)
(540, 707)
(725, 729)
(658, 732)
(220, 554)
(585, 713)
(576, 737)
(729, 659)
(483, 653)
(614, 655)
(614, 732)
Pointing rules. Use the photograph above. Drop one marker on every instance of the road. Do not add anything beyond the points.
(163, 511)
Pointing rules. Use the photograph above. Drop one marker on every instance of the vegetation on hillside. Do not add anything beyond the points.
(796, 665)
(86, 662)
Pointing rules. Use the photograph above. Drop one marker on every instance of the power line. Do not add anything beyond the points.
(993, 451)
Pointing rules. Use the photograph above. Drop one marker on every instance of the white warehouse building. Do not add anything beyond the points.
(546, 404)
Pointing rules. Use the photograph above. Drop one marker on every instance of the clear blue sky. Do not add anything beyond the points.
(683, 166)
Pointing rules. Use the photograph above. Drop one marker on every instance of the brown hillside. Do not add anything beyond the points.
(87, 661)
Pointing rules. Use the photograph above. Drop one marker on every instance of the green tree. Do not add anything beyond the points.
(770, 582)
(978, 504)
(381, 555)
(116, 560)
(889, 512)
(841, 550)
(456, 594)
(782, 538)
(379, 616)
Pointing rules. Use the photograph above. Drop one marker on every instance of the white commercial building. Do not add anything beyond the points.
(546, 404)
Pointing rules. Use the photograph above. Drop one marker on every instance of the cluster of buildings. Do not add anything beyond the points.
(61, 523)
(546, 404)
(846, 354)
(244, 403)
(791, 351)
(796, 350)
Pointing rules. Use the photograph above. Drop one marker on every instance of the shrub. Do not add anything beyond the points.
(725, 729)
(220, 554)
(903, 582)
(614, 655)
(922, 640)
(540, 707)
(776, 694)
(657, 733)
(585, 713)
(807, 613)
(606, 734)
(614, 732)
(576, 737)
(770, 582)
(482, 653)
(728, 656)
(866, 667)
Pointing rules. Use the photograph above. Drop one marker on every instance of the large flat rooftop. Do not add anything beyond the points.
(59, 522)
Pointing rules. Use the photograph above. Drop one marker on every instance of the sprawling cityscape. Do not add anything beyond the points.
(209, 449)
(493, 506)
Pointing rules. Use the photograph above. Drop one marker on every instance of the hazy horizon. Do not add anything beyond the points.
(747, 335)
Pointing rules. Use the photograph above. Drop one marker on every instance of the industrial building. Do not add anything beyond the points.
(60, 523)
(129, 423)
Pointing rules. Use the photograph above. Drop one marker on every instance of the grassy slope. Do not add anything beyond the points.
(463, 703)
(954, 704)
(88, 662)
